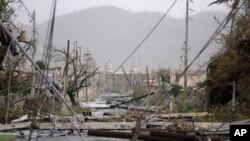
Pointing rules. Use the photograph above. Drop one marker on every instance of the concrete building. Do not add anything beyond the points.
(193, 77)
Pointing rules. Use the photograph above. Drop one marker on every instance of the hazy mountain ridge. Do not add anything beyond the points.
(111, 34)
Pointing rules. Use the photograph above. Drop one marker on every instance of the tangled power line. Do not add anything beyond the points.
(210, 40)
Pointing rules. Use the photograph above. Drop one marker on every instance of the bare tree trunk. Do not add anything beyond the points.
(4, 47)
(72, 98)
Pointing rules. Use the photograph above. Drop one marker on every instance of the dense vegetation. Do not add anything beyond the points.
(6, 137)
(15, 83)
(233, 64)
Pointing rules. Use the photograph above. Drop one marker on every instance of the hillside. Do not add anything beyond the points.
(111, 34)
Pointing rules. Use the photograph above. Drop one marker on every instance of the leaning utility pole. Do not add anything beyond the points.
(34, 53)
(4, 28)
(186, 44)
(66, 70)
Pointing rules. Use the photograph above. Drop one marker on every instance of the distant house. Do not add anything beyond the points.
(193, 77)
(152, 82)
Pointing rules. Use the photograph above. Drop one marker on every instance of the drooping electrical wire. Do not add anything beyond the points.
(146, 37)
(210, 40)
(141, 43)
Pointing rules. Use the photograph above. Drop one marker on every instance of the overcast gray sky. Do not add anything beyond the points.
(43, 7)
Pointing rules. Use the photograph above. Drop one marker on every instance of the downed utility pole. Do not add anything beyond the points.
(123, 135)
(134, 99)
(36, 66)
(129, 83)
(137, 128)
(154, 135)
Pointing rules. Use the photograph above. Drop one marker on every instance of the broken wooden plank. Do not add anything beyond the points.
(183, 115)
(21, 119)
(205, 125)
(15, 126)
(137, 128)
(177, 136)
(98, 125)
(90, 125)
(138, 108)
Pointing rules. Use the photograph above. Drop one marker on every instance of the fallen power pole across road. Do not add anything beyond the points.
(145, 135)
(134, 99)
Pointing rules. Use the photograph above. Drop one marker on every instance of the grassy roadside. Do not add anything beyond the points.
(7, 138)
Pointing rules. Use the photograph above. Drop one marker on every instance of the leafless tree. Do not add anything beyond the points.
(77, 76)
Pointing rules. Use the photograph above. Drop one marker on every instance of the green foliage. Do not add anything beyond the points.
(220, 113)
(25, 88)
(79, 109)
(6, 137)
(139, 91)
(176, 90)
(14, 112)
(91, 98)
(186, 102)
(63, 112)
(163, 75)
(155, 99)
(5, 11)
(233, 64)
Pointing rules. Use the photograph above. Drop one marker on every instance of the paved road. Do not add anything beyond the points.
(74, 138)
